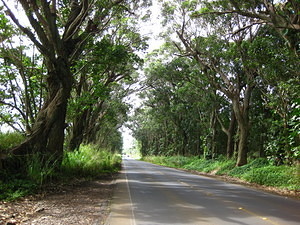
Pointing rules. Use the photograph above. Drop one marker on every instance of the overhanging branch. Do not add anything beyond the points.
(26, 31)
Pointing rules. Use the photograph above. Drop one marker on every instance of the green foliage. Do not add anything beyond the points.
(171, 161)
(200, 165)
(90, 161)
(240, 171)
(31, 174)
(10, 140)
(276, 176)
(224, 166)
(6, 30)
(218, 166)
(87, 162)
(176, 109)
(16, 187)
(41, 168)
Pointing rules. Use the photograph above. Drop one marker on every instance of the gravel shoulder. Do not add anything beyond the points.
(81, 202)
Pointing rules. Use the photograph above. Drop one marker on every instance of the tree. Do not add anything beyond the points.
(177, 117)
(282, 15)
(16, 109)
(60, 30)
(279, 26)
(111, 61)
(223, 60)
(23, 93)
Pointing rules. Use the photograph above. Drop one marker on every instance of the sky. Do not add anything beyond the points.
(152, 29)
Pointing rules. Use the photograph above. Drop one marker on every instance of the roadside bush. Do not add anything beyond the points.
(177, 161)
(90, 161)
(170, 161)
(218, 166)
(40, 169)
(32, 174)
(160, 160)
(225, 166)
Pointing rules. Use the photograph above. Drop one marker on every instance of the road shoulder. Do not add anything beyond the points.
(121, 206)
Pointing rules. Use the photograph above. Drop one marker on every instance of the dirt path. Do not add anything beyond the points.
(83, 202)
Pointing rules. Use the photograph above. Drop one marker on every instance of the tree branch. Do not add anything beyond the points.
(30, 35)
(77, 16)
(14, 107)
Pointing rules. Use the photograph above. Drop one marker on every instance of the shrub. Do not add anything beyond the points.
(90, 161)
(16, 188)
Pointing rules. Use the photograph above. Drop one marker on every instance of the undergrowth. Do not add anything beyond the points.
(88, 162)
(10, 140)
(259, 171)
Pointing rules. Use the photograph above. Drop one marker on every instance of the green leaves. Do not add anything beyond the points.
(6, 29)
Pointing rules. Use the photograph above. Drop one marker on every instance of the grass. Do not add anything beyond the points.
(259, 171)
(171, 161)
(16, 187)
(88, 162)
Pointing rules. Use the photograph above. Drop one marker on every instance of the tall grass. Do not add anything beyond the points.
(41, 168)
(90, 161)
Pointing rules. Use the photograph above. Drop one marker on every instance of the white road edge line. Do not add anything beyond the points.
(130, 199)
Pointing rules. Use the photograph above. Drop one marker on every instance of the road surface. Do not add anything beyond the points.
(151, 194)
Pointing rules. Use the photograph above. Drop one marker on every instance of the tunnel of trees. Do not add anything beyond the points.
(225, 81)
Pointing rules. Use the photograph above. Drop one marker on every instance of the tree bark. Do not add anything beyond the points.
(241, 111)
(77, 132)
(230, 136)
(229, 133)
(47, 135)
(213, 131)
(243, 145)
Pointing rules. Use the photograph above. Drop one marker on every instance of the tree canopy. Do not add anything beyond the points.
(225, 82)
(242, 62)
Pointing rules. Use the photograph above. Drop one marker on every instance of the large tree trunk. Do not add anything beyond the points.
(243, 145)
(47, 135)
(230, 132)
(241, 111)
(77, 132)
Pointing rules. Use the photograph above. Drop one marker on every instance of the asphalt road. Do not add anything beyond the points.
(151, 194)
